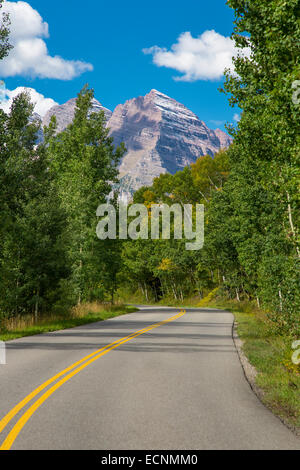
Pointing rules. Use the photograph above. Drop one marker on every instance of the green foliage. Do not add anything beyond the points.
(50, 257)
(32, 221)
(264, 182)
(164, 268)
(84, 163)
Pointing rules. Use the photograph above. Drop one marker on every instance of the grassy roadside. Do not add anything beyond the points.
(271, 354)
(278, 379)
(87, 313)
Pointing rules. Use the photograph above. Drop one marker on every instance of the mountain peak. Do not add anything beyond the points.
(156, 92)
(160, 134)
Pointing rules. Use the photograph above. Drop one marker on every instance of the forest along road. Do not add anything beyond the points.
(177, 384)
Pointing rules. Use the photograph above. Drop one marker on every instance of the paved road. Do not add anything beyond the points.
(177, 386)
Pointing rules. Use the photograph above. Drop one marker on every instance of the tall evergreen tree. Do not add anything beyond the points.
(5, 45)
(31, 253)
(85, 163)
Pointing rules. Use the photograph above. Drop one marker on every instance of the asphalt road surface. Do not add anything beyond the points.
(177, 385)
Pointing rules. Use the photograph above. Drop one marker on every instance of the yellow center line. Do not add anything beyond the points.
(7, 444)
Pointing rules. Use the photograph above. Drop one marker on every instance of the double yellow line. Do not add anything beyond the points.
(75, 369)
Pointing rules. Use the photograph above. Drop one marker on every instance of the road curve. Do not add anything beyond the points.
(177, 384)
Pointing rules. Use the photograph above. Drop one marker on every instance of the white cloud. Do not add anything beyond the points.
(202, 58)
(42, 104)
(236, 117)
(30, 55)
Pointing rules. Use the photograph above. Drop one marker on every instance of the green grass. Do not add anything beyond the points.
(27, 327)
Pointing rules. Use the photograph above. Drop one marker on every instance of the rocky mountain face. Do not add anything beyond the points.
(65, 113)
(160, 135)
(225, 139)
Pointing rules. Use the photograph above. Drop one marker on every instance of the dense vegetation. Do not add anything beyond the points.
(50, 257)
(251, 192)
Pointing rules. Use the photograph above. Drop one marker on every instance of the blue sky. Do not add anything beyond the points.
(112, 35)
